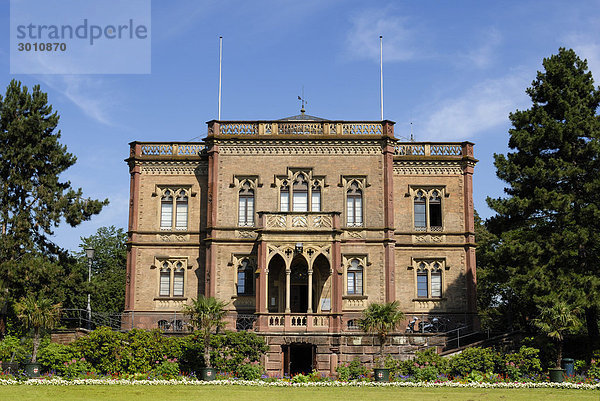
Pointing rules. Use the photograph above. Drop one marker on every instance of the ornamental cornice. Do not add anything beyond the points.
(173, 167)
(428, 167)
(300, 147)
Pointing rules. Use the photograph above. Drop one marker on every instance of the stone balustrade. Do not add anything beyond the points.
(298, 221)
(252, 128)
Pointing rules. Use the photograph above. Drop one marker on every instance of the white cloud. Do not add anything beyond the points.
(484, 106)
(484, 55)
(362, 40)
(586, 46)
(88, 94)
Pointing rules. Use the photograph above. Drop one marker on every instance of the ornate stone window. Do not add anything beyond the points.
(354, 205)
(428, 278)
(172, 277)
(355, 278)
(245, 278)
(354, 275)
(174, 208)
(299, 191)
(246, 204)
(427, 208)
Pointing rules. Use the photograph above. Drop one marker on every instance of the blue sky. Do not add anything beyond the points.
(453, 69)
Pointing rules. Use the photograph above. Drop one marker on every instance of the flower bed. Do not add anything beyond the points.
(53, 381)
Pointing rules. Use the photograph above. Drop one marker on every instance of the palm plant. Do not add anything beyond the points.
(555, 322)
(381, 320)
(37, 315)
(206, 314)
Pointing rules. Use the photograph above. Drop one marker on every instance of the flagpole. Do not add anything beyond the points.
(381, 72)
(220, 65)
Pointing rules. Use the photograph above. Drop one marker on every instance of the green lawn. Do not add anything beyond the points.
(235, 393)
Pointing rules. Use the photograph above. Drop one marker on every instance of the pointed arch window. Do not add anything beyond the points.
(429, 278)
(246, 206)
(245, 278)
(354, 205)
(174, 209)
(284, 197)
(427, 208)
(300, 194)
(172, 278)
(315, 199)
(355, 278)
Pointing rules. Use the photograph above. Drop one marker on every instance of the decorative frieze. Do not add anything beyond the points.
(173, 237)
(427, 167)
(173, 168)
(293, 147)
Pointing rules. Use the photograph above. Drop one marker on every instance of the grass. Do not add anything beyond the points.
(235, 393)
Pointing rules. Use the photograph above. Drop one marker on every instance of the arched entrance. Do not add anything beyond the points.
(298, 358)
(321, 283)
(276, 284)
(299, 285)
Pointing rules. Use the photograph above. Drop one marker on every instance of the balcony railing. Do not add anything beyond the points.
(298, 221)
(297, 128)
(432, 149)
(299, 321)
(172, 149)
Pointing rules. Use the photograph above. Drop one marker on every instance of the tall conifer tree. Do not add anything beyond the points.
(33, 199)
(549, 225)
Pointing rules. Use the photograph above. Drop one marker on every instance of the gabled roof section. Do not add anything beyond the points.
(303, 117)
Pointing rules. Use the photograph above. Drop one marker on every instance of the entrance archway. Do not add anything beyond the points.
(299, 285)
(276, 284)
(298, 358)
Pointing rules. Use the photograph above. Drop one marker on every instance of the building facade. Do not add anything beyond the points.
(299, 224)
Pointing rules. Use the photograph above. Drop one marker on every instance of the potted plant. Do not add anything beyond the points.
(206, 314)
(37, 315)
(555, 322)
(381, 320)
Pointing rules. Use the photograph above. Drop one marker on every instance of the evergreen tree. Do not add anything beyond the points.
(548, 226)
(33, 200)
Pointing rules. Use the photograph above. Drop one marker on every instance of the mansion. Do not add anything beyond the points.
(299, 224)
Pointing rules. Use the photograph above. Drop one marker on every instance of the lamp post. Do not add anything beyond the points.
(89, 252)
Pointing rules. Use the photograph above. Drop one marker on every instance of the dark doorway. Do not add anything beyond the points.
(299, 285)
(298, 358)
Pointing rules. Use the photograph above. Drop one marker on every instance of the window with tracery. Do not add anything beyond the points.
(246, 205)
(355, 278)
(427, 209)
(245, 278)
(299, 191)
(174, 209)
(354, 205)
(429, 278)
(172, 278)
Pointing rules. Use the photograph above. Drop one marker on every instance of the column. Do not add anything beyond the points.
(310, 289)
(287, 290)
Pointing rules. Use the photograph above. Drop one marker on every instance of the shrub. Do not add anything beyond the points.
(229, 351)
(166, 368)
(134, 352)
(76, 368)
(54, 356)
(354, 370)
(473, 359)
(427, 373)
(102, 348)
(250, 371)
(594, 369)
(300, 378)
(525, 362)
(13, 349)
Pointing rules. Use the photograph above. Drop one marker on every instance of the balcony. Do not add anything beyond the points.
(300, 221)
(298, 322)
(300, 128)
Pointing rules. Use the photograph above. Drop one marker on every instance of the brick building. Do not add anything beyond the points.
(299, 224)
